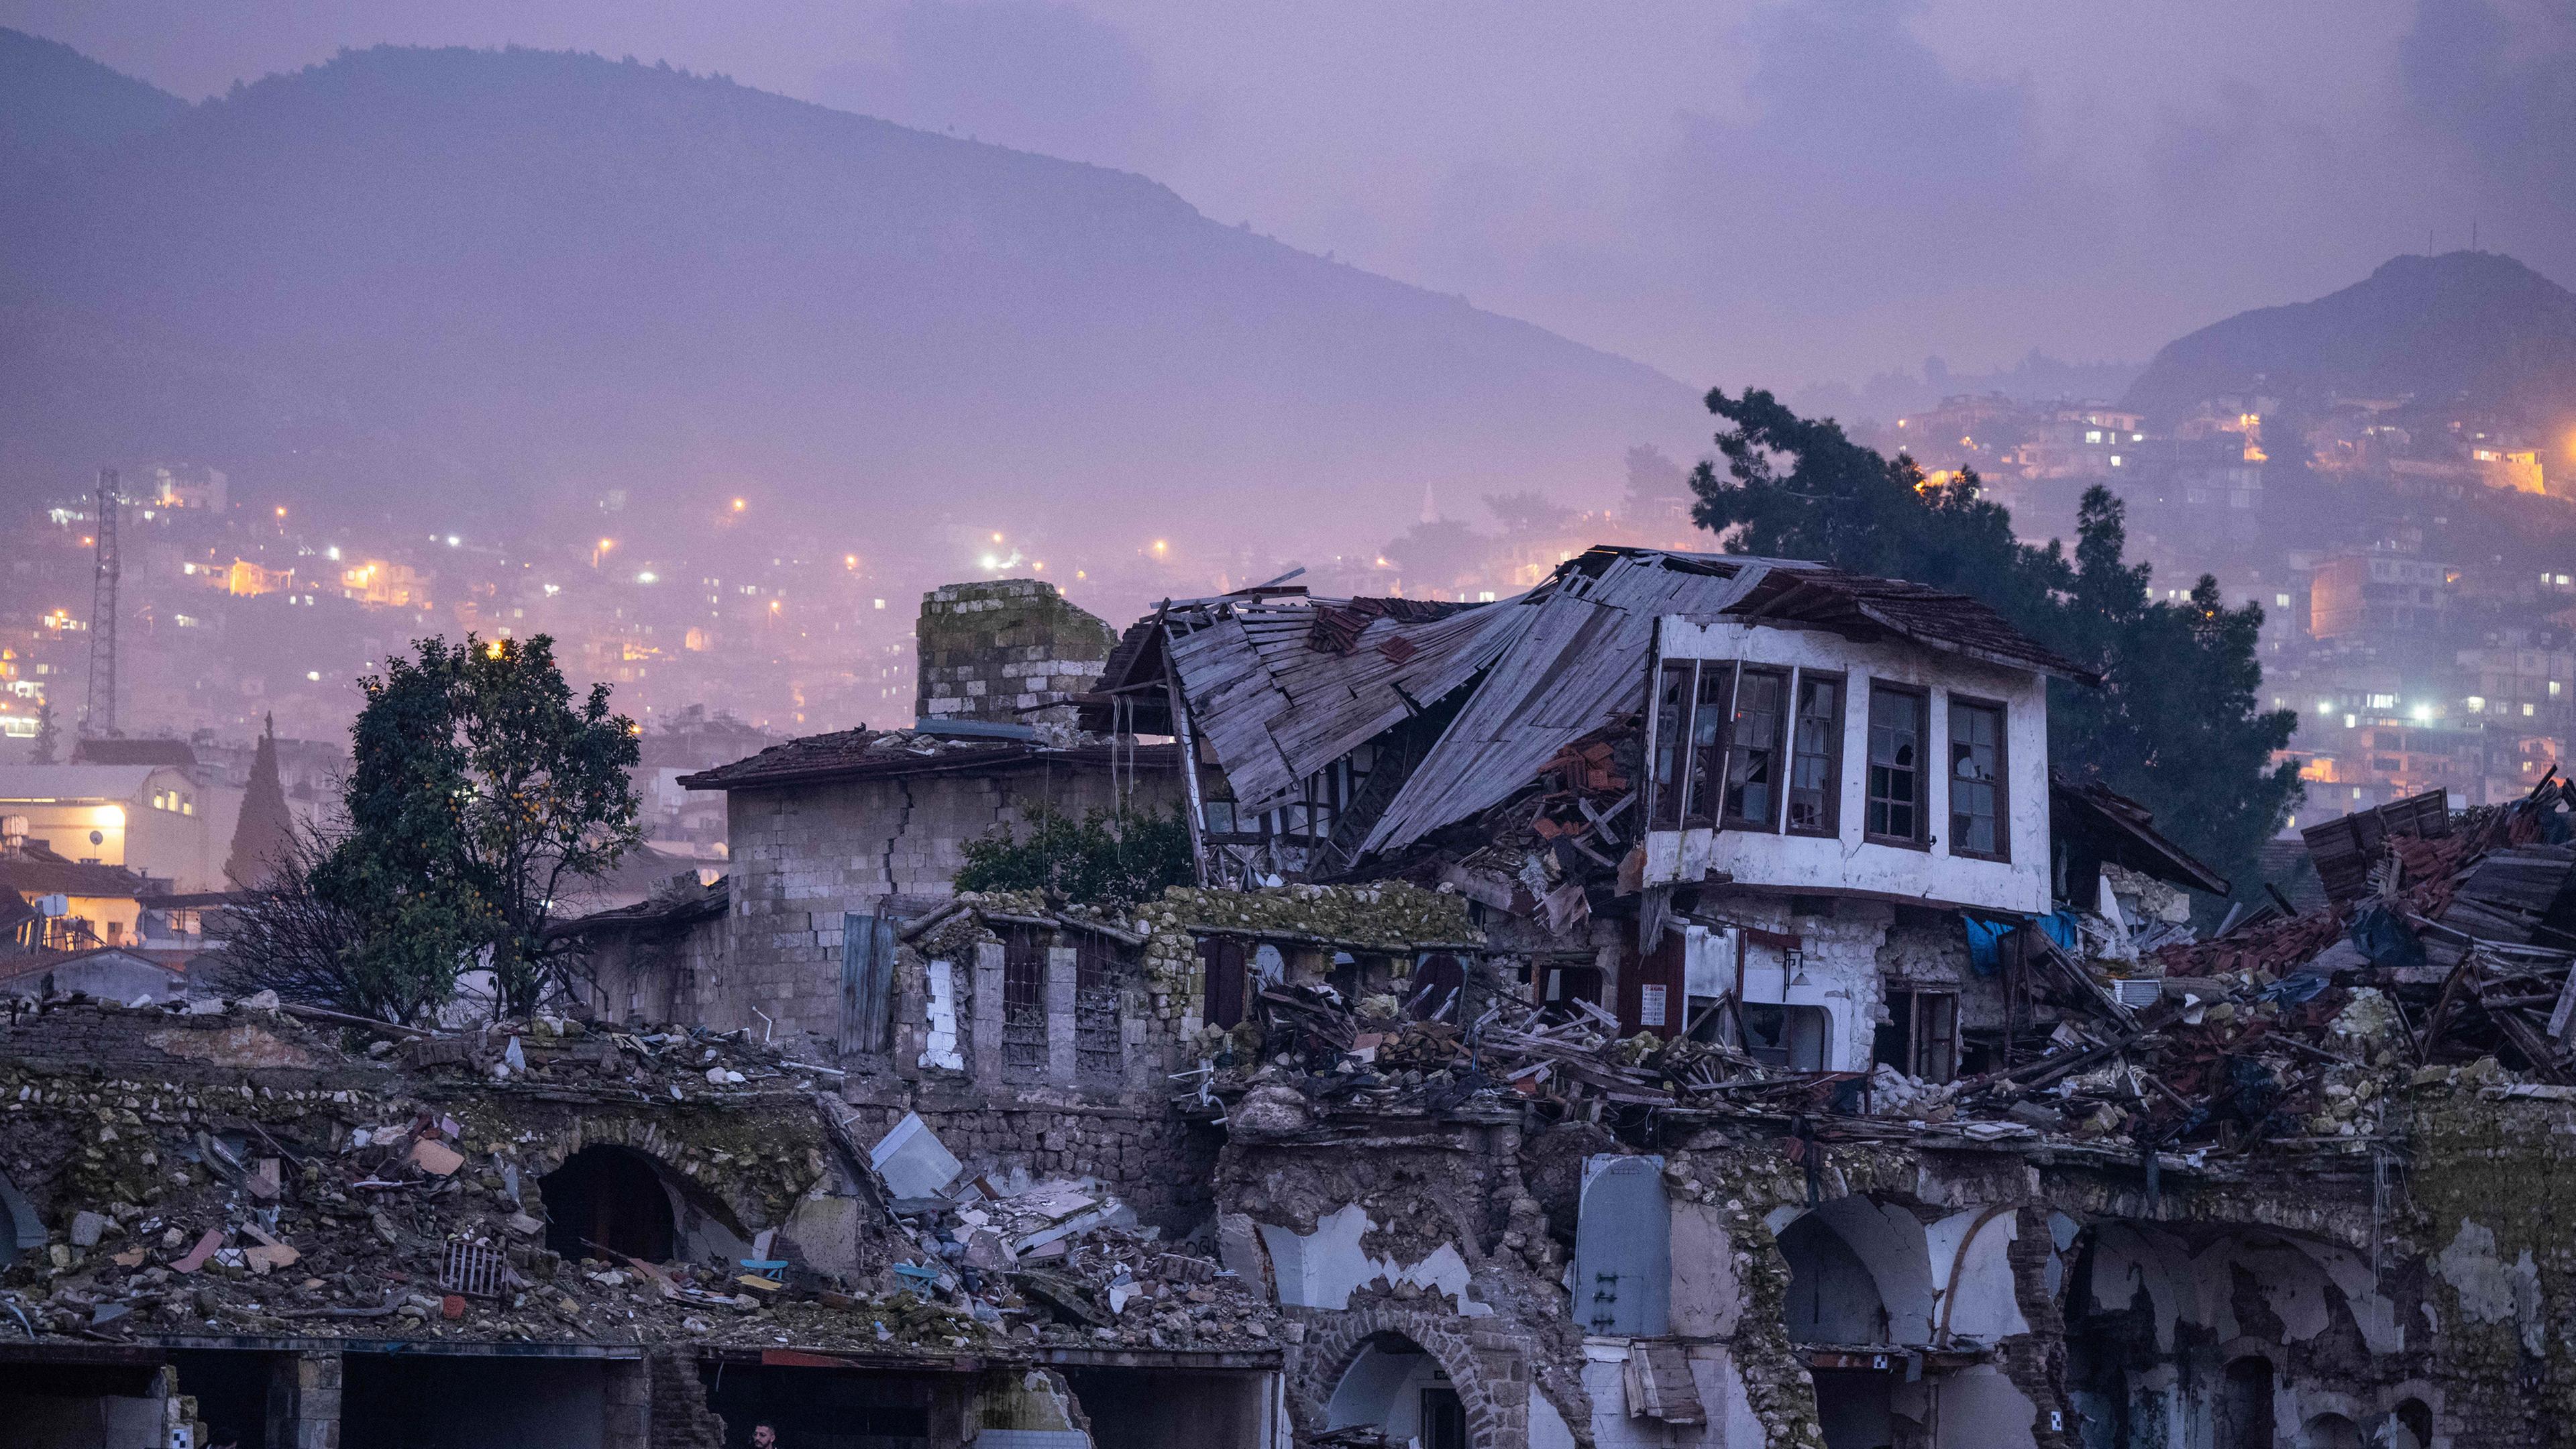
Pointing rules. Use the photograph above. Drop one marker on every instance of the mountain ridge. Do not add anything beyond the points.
(515, 270)
(2474, 325)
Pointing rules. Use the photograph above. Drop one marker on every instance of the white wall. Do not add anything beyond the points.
(1848, 862)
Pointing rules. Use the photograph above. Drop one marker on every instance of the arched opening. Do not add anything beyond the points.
(2414, 1425)
(608, 1197)
(2245, 1404)
(1832, 1297)
(1437, 983)
(1395, 1386)
(2330, 1431)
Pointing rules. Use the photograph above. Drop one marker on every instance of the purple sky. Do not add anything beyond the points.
(1730, 191)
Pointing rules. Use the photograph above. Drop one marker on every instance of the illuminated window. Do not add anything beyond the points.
(2281, 600)
(2526, 711)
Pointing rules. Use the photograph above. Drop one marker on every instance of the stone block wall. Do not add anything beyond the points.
(1002, 651)
(805, 856)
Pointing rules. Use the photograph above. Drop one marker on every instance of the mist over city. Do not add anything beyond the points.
(1117, 593)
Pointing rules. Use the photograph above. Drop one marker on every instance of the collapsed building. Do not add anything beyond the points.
(1677, 1007)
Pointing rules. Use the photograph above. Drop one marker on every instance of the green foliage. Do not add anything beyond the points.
(1113, 858)
(482, 790)
(2175, 724)
(49, 736)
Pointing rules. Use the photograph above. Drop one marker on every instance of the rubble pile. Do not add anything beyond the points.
(1059, 1260)
(396, 1207)
(670, 1063)
(1374, 1056)
(2284, 1029)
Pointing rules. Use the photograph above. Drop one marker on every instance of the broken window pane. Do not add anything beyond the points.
(1753, 765)
(1895, 763)
(1708, 744)
(1786, 1036)
(1672, 718)
(1816, 763)
(1976, 778)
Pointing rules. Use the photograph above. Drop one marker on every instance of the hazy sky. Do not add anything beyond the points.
(1731, 190)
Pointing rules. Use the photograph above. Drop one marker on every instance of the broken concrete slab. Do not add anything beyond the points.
(912, 1159)
(436, 1158)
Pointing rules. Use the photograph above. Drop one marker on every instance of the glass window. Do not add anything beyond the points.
(1895, 763)
(1708, 744)
(1816, 756)
(1976, 779)
(1753, 766)
(1672, 718)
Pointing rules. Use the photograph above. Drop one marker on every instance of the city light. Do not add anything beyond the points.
(1161, 547)
(648, 577)
(454, 542)
(739, 505)
(281, 510)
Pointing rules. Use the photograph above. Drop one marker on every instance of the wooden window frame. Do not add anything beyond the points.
(2003, 776)
(1778, 746)
(1922, 837)
(1840, 720)
(1704, 761)
(1669, 737)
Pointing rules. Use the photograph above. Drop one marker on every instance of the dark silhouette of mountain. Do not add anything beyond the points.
(444, 280)
(55, 101)
(2477, 325)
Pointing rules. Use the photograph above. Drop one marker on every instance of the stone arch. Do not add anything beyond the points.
(704, 1216)
(1885, 1243)
(1482, 1372)
(2411, 1417)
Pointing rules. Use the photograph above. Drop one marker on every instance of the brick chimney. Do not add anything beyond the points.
(1010, 652)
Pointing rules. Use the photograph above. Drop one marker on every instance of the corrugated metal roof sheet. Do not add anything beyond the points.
(1579, 664)
(1275, 710)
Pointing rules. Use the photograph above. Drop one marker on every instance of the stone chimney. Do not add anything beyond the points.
(1012, 651)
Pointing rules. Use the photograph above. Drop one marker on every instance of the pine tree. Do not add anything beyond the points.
(49, 736)
(261, 836)
(2177, 723)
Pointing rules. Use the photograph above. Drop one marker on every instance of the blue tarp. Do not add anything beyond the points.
(1984, 934)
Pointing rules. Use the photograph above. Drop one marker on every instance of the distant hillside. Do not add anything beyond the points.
(441, 280)
(53, 100)
(2467, 323)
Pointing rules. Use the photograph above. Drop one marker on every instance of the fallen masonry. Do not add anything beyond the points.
(1472, 1221)
(1678, 1007)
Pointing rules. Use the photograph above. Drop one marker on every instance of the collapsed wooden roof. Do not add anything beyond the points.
(1280, 685)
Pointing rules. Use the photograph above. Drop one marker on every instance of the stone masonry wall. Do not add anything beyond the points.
(1001, 651)
(804, 857)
